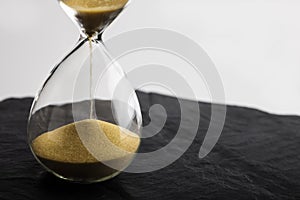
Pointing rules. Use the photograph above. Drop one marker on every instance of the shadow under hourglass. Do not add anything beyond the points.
(61, 189)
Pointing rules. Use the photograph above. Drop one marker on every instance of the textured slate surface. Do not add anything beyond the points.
(257, 157)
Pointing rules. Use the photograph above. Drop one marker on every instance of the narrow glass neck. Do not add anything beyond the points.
(94, 37)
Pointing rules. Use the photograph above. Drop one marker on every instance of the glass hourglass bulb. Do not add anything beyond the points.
(85, 122)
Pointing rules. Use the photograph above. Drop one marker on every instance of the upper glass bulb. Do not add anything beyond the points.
(93, 16)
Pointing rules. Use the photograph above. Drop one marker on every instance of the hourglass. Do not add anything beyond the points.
(85, 122)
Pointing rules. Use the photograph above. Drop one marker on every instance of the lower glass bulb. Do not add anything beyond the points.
(85, 122)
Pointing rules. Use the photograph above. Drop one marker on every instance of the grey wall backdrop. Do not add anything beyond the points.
(255, 45)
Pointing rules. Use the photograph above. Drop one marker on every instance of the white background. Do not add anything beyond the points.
(255, 44)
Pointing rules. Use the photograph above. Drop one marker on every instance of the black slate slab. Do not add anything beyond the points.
(256, 157)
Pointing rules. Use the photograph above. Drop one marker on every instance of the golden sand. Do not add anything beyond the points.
(87, 141)
(95, 5)
(95, 15)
